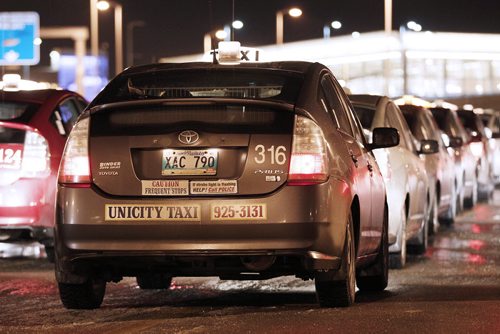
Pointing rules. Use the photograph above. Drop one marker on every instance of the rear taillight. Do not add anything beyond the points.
(75, 163)
(36, 156)
(477, 149)
(308, 163)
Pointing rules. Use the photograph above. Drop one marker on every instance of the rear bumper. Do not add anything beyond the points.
(28, 203)
(304, 230)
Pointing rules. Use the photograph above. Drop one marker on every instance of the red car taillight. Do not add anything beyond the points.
(308, 163)
(36, 156)
(75, 163)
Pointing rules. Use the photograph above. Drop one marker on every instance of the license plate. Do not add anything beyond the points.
(10, 156)
(239, 212)
(189, 162)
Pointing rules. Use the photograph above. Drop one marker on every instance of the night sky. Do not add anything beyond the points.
(176, 27)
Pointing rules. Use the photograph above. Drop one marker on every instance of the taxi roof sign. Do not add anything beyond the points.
(18, 31)
(229, 53)
(232, 53)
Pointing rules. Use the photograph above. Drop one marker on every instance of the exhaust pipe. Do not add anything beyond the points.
(258, 263)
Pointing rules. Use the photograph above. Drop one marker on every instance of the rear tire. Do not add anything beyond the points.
(423, 241)
(376, 277)
(154, 281)
(433, 222)
(469, 202)
(340, 293)
(398, 260)
(88, 295)
(49, 251)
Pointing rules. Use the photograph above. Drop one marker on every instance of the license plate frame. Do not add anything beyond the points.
(189, 162)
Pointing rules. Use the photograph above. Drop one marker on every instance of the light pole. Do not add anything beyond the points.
(387, 16)
(280, 14)
(130, 40)
(94, 28)
(104, 5)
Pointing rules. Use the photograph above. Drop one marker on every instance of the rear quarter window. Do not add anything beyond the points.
(14, 110)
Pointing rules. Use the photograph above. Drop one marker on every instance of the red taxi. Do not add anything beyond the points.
(33, 129)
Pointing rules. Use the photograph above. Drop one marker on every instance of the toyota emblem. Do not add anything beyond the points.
(188, 137)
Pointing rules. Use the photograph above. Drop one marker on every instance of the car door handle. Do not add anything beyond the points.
(354, 158)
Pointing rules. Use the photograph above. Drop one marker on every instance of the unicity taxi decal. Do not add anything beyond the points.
(135, 212)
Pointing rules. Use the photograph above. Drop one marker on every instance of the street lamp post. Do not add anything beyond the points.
(387, 16)
(118, 17)
(130, 40)
(280, 15)
(118, 38)
(94, 28)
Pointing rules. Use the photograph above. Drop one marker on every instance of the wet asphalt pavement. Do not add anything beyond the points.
(453, 288)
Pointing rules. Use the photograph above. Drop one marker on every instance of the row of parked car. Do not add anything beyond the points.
(448, 158)
(242, 171)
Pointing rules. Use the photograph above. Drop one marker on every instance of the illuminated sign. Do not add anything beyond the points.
(19, 36)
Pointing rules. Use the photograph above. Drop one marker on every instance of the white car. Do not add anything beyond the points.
(440, 166)
(404, 175)
(491, 121)
(465, 161)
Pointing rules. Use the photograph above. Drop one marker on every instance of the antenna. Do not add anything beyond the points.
(231, 27)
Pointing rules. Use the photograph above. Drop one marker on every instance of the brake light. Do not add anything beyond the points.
(308, 158)
(36, 156)
(477, 149)
(75, 162)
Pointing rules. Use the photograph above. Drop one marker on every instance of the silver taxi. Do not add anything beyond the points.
(247, 171)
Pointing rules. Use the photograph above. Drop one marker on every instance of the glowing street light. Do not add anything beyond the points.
(412, 25)
(327, 28)
(221, 34)
(293, 12)
(224, 34)
(237, 24)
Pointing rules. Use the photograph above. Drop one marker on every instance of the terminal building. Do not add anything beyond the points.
(426, 64)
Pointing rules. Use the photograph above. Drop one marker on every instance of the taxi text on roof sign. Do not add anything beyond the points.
(231, 53)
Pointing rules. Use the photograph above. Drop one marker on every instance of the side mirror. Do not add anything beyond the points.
(456, 142)
(384, 137)
(496, 135)
(428, 146)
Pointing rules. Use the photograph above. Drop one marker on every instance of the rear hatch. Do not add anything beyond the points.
(191, 148)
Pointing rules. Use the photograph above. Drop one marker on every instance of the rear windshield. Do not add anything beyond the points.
(468, 120)
(204, 83)
(11, 136)
(160, 119)
(10, 111)
(365, 116)
(440, 117)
